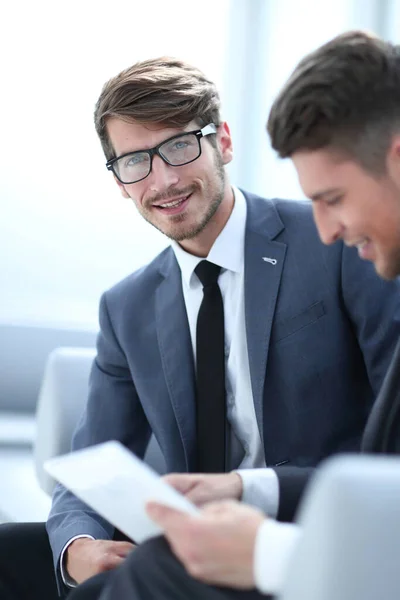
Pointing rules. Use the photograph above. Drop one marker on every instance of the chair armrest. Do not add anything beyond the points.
(61, 401)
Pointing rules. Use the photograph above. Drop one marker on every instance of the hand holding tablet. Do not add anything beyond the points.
(117, 485)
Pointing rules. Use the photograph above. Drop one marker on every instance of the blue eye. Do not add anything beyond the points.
(180, 145)
(134, 159)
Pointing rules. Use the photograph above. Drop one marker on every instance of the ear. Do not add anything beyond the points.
(225, 142)
(121, 188)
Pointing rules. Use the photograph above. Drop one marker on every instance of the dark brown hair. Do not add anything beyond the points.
(345, 96)
(161, 90)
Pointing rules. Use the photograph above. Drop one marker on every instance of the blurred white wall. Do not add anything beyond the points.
(65, 232)
(278, 34)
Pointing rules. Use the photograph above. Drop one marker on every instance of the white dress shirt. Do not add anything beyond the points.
(275, 543)
(260, 485)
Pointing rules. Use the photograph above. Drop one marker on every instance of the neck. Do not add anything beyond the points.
(203, 242)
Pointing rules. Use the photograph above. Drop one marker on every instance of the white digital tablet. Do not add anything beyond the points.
(117, 485)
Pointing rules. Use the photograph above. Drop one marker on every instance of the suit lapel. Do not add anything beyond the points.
(261, 284)
(176, 353)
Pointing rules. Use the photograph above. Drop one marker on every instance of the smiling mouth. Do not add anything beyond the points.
(172, 204)
(175, 206)
(364, 249)
(359, 244)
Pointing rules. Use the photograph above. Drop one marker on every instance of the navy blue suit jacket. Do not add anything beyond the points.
(382, 432)
(321, 329)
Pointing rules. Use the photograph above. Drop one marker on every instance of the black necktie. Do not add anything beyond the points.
(210, 380)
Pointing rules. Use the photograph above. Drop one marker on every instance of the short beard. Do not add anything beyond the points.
(212, 209)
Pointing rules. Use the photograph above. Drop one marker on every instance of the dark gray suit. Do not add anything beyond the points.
(321, 329)
(382, 432)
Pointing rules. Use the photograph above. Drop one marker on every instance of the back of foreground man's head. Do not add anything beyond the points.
(345, 96)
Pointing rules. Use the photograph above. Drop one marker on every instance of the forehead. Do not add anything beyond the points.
(129, 136)
(319, 170)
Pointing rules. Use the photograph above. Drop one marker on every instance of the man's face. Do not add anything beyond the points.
(350, 204)
(179, 201)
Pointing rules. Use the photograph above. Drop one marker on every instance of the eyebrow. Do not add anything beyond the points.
(168, 139)
(320, 195)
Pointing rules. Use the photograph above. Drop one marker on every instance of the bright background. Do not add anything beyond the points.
(65, 232)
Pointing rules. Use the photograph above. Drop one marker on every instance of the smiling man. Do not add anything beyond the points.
(248, 348)
(180, 210)
(359, 206)
(338, 119)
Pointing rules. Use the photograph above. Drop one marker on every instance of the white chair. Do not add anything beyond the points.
(24, 349)
(60, 403)
(62, 398)
(350, 545)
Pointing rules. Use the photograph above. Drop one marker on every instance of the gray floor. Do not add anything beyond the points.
(21, 498)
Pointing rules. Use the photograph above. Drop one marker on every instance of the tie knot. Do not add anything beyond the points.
(207, 272)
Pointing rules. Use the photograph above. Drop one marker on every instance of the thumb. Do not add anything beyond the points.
(164, 516)
(222, 507)
(181, 483)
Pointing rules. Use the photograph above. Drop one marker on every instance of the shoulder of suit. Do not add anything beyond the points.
(277, 215)
(283, 207)
(145, 277)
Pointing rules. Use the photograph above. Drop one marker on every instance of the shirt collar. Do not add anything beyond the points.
(227, 250)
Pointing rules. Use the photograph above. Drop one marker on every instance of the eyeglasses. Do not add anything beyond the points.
(176, 151)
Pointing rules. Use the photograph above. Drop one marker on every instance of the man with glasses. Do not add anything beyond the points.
(250, 350)
(345, 146)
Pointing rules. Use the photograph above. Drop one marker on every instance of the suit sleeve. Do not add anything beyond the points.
(381, 433)
(113, 411)
(292, 483)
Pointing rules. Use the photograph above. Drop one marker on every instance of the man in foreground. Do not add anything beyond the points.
(246, 343)
(338, 119)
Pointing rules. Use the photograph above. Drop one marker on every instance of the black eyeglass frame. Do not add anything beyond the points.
(209, 129)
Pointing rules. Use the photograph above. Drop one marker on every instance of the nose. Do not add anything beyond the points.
(329, 227)
(162, 175)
